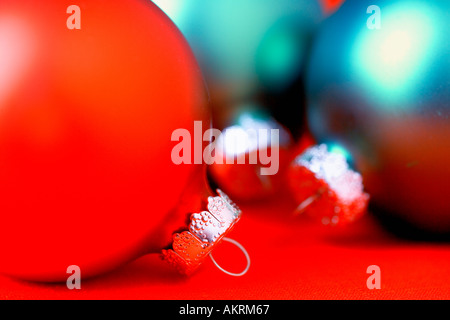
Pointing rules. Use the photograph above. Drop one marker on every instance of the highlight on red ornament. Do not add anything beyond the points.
(326, 188)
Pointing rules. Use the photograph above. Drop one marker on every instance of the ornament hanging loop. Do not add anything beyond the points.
(247, 256)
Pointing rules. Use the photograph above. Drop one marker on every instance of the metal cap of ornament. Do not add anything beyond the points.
(326, 188)
(206, 230)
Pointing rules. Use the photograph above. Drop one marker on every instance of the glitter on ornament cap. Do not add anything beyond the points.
(326, 188)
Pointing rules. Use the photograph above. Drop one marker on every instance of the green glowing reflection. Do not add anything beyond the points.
(279, 58)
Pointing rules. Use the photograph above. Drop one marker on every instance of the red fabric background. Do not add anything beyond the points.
(291, 259)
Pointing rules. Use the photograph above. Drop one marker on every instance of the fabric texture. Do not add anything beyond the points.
(291, 258)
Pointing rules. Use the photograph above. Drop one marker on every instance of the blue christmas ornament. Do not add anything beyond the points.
(378, 85)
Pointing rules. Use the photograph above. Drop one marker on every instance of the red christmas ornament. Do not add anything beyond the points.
(326, 188)
(87, 114)
(330, 6)
(252, 156)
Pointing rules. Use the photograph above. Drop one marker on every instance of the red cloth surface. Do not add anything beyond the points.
(291, 258)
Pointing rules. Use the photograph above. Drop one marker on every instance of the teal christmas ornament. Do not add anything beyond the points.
(378, 85)
(251, 52)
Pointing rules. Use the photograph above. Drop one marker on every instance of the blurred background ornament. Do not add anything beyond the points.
(252, 53)
(261, 151)
(383, 94)
(251, 50)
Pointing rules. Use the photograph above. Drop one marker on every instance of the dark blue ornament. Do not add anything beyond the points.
(381, 89)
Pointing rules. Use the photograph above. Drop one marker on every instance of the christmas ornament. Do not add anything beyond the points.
(90, 96)
(252, 155)
(251, 52)
(330, 6)
(326, 188)
(378, 84)
(206, 229)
